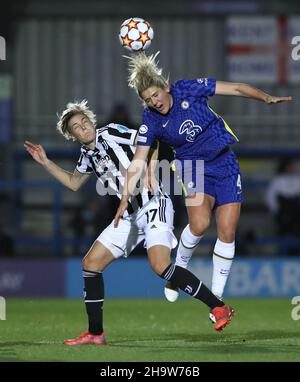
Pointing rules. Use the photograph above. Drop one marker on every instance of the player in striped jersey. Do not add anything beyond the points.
(107, 152)
(179, 115)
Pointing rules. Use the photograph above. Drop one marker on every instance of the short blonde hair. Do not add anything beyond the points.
(144, 72)
(72, 109)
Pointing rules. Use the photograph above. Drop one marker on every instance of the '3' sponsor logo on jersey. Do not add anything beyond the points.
(190, 129)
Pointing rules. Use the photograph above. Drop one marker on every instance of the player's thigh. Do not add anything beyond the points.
(123, 239)
(97, 258)
(199, 208)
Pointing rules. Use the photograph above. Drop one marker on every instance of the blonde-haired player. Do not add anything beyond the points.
(178, 114)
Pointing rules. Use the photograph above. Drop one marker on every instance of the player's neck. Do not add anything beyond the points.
(91, 145)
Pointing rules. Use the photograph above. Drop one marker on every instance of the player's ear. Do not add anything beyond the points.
(167, 88)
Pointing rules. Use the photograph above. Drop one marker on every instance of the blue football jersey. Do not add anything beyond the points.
(191, 127)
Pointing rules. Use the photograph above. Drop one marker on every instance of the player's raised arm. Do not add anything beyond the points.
(245, 90)
(71, 180)
(133, 175)
(150, 180)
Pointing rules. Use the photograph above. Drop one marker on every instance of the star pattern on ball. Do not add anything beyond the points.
(132, 24)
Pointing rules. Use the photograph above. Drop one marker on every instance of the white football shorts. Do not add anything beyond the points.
(152, 223)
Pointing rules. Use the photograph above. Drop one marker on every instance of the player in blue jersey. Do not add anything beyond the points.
(180, 116)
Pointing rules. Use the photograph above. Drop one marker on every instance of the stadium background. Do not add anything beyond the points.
(61, 51)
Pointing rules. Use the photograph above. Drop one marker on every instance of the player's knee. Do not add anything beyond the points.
(199, 227)
(86, 263)
(91, 264)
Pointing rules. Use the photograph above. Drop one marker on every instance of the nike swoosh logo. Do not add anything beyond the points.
(165, 124)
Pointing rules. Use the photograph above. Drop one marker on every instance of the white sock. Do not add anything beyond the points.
(188, 242)
(222, 260)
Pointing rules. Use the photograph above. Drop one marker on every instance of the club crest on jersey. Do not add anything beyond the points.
(201, 80)
(143, 129)
(185, 105)
(190, 129)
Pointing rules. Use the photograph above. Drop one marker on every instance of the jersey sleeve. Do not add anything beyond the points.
(84, 165)
(120, 134)
(147, 132)
(200, 87)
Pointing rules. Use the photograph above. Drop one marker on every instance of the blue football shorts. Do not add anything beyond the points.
(219, 177)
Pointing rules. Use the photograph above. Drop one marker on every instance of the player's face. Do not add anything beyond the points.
(82, 129)
(158, 98)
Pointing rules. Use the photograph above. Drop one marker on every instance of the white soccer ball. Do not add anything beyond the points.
(136, 34)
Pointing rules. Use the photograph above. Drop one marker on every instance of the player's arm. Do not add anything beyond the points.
(245, 90)
(150, 180)
(133, 175)
(71, 180)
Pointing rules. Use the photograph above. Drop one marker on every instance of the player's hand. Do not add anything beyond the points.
(37, 152)
(272, 99)
(122, 208)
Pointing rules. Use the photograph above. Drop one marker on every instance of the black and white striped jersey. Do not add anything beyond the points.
(109, 161)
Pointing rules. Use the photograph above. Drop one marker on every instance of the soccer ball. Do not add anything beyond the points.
(136, 34)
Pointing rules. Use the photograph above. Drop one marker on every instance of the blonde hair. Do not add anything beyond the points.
(144, 72)
(72, 109)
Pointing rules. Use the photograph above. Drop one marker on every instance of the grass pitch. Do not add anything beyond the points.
(150, 330)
